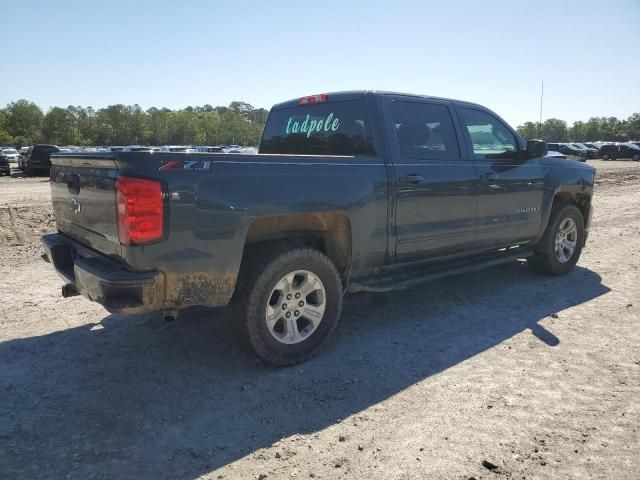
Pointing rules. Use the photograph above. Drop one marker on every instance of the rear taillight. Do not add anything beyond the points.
(140, 210)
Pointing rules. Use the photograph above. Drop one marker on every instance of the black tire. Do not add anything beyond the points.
(255, 293)
(605, 156)
(544, 259)
(636, 157)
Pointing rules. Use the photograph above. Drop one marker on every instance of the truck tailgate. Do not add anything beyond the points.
(84, 199)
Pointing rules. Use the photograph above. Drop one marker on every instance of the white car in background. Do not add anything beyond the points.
(554, 154)
(11, 154)
(177, 148)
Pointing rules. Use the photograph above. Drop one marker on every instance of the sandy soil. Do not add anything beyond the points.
(538, 376)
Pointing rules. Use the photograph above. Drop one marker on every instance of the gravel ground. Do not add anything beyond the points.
(496, 374)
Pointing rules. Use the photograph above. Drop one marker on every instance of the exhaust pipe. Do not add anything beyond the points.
(69, 290)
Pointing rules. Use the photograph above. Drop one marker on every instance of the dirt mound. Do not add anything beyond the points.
(23, 226)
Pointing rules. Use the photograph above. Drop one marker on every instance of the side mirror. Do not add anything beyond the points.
(536, 148)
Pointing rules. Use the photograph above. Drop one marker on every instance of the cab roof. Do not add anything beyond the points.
(357, 94)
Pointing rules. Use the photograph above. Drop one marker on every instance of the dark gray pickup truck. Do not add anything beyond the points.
(351, 191)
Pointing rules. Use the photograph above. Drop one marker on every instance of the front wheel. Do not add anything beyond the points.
(562, 242)
(636, 157)
(605, 156)
(293, 306)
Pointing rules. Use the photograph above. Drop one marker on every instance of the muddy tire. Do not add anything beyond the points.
(562, 242)
(291, 303)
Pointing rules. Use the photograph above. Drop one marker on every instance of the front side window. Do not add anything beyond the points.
(490, 137)
(424, 130)
(330, 128)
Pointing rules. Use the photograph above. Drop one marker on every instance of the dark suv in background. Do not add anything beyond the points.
(37, 159)
(622, 150)
(5, 168)
(592, 152)
(570, 151)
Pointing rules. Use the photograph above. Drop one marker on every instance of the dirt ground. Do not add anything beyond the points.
(538, 377)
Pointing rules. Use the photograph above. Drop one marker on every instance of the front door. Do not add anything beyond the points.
(435, 187)
(511, 186)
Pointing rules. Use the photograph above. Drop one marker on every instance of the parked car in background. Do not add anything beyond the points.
(116, 148)
(209, 149)
(571, 152)
(592, 145)
(621, 150)
(553, 154)
(5, 168)
(11, 154)
(140, 148)
(592, 152)
(37, 159)
(177, 148)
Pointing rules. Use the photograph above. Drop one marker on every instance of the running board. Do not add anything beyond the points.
(388, 282)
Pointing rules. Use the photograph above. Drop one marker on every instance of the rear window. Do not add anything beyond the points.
(333, 128)
(44, 151)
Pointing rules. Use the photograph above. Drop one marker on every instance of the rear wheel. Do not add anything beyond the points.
(292, 302)
(636, 157)
(562, 242)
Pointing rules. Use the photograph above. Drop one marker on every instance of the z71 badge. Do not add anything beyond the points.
(188, 165)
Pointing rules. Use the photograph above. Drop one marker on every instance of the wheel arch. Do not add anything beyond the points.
(327, 232)
(581, 200)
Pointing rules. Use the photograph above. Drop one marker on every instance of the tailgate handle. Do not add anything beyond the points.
(73, 183)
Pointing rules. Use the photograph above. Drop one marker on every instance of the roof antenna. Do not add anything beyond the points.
(540, 121)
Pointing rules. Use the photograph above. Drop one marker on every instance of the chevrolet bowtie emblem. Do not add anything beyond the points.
(75, 205)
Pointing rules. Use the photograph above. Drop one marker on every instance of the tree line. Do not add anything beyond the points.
(607, 129)
(24, 123)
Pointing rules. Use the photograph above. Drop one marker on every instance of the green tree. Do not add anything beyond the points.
(56, 127)
(529, 130)
(24, 119)
(577, 132)
(5, 138)
(633, 127)
(554, 130)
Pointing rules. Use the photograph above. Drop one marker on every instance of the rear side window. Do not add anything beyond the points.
(490, 137)
(424, 130)
(332, 128)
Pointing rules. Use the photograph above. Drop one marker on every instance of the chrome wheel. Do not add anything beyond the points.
(296, 307)
(566, 240)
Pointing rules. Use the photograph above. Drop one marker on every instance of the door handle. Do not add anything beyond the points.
(412, 178)
(489, 177)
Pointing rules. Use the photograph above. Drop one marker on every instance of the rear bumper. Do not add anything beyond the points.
(103, 279)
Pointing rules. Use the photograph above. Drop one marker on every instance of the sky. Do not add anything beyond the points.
(177, 53)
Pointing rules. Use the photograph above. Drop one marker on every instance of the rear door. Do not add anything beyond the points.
(435, 187)
(511, 186)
